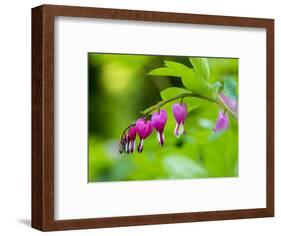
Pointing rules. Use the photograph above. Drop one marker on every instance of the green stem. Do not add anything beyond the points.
(219, 102)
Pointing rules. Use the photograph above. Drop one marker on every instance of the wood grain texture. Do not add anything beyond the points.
(37, 157)
(43, 117)
(270, 118)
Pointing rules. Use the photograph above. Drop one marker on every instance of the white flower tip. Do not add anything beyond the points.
(181, 129)
(140, 146)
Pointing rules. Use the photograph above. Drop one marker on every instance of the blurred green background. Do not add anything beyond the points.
(119, 89)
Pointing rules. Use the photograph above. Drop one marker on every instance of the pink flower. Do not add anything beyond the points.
(131, 137)
(128, 140)
(158, 121)
(144, 129)
(180, 114)
(222, 122)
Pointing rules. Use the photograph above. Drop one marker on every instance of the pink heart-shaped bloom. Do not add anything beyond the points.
(158, 121)
(180, 114)
(222, 122)
(144, 129)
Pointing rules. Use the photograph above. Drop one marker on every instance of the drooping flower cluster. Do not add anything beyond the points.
(144, 126)
(128, 140)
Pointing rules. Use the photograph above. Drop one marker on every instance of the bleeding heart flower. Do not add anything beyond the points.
(158, 121)
(231, 103)
(222, 122)
(143, 129)
(132, 139)
(180, 114)
(128, 140)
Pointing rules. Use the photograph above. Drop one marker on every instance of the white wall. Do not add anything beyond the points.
(15, 115)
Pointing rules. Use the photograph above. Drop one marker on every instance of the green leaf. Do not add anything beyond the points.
(195, 85)
(171, 92)
(188, 76)
(178, 68)
(230, 87)
(162, 71)
(201, 67)
(172, 69)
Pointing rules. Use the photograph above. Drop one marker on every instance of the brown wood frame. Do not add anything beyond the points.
(43, 117)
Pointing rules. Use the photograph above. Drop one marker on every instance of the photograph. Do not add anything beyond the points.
(168, 114)
(156, 117)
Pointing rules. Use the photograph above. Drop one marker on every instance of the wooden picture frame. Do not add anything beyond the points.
(43, 117)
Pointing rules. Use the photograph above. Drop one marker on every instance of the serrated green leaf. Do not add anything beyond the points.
(187, 75)
(230, 87)
(195, 85)
(178, 69)
(201, 67)
(189, 78)
(171, 69)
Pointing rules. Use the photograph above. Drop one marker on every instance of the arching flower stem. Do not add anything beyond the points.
(148, 112)
(125, 130)
(219, 102)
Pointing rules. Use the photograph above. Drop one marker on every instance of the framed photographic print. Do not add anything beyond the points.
(143, 117)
